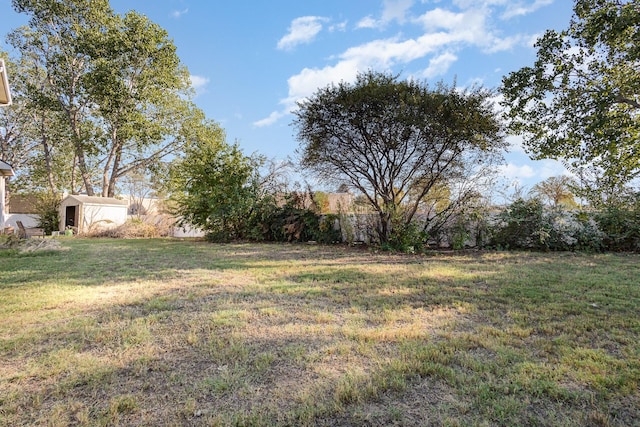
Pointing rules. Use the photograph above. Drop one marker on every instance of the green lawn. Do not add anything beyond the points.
(168, 332)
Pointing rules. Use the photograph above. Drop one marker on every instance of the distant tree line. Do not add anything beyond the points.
(101, 96)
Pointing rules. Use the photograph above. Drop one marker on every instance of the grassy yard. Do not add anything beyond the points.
(167, 332)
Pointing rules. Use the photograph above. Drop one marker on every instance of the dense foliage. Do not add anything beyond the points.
(580, 101)
(528, 224)
(214, 186)
(48, 211)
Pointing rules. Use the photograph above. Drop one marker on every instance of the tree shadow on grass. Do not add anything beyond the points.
(315, 337)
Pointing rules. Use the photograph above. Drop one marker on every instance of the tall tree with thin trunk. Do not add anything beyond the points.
(34, 138)
(116, 79)
(141, 91)
(52, 41)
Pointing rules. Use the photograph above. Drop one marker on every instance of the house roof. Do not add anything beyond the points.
(23, 204)
(94, 200)
(5, 169)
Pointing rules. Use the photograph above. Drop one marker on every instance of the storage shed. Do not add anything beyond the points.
(85, 214)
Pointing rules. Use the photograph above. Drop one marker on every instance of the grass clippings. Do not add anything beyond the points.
(168, 332)
(10, 245)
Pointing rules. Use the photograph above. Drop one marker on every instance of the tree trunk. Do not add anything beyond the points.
(86, 178)
(82, 164)
(113, 179)
(48, 163)
(384, 230)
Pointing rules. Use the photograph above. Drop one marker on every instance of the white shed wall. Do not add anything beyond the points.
(101, 216)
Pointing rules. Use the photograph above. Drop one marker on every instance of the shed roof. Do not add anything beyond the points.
(5, 169)
(94, 200)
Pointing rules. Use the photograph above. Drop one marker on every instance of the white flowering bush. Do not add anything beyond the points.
(572, 230)
(527, 224)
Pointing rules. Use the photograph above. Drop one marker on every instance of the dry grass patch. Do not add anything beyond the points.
(167, 332)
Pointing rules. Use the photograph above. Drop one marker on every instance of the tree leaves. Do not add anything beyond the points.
(117, 79)
(215, 186)
(581, 99)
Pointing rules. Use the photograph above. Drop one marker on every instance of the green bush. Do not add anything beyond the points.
(290, 221)
(589, 237)
(521, 226)
(621, 228)
(327, 230)
(48, 210)
(526, 224)
(409, 238)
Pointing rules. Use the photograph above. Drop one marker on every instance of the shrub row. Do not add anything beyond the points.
(527, 224)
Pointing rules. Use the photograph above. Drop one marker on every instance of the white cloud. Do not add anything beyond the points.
(305, 83)
(511, 8)
(523, 8)
(385, 52)
(439, 65)
(302, 30)
(396, 10)
(535, 171)
(273, 117)
(367, 22)
(178, 13)
(549, 168)
(501, 44)
(198, 82)
(465, 23)
(512, 171)
(340, 26)
(468, 27)
(392, 10)
(516, 144)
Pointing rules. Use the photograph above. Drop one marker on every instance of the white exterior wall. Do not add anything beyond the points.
(3, 213)
(28, 220)
(150, 205)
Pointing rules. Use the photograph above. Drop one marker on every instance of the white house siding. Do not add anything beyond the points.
(28, 220)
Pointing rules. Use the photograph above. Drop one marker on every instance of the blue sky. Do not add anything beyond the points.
(251, 60)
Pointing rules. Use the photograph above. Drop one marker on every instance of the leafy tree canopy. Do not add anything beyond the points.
(114, 82)
(214, 186)
(397, 141)
(580, 101)
(556, 192)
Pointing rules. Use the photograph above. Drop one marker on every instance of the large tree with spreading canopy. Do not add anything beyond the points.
(398, 142)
